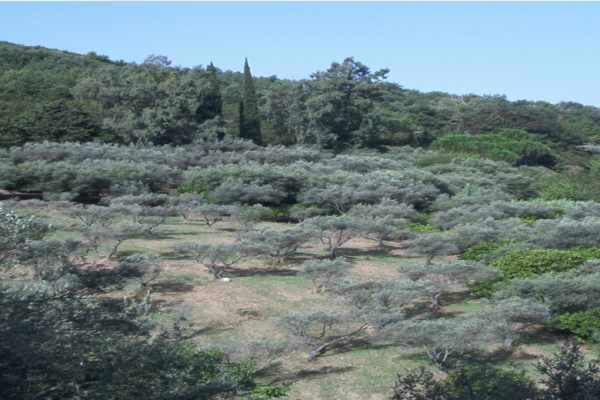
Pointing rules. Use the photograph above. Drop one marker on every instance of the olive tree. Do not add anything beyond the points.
(44, 257)
(370, 188)
(439, 277)
(213, 213)
(441, 338)
(277, 245)
(248, 217)
(94, 215)
(490, 230)
(567, 292)
(386, 208)
(138, 267)
(321, 272)
(234, 191)
(565, 233)
(114, 237)
(503, 318)
(367, 305)
(335, 231)
(433, 245)
(185, 203)
(217, 258)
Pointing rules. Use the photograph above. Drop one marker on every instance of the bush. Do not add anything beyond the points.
(583, 324)
(520, 264)
(476, 252)
(526, 263)
(571, 186)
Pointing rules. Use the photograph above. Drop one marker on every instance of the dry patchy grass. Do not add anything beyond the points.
(247, 307)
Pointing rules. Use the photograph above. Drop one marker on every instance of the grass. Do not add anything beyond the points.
(248, 308)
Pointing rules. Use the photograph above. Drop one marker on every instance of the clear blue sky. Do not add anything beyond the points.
(526, 50)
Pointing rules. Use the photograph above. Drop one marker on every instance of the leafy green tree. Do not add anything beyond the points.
(468, 382)
(516, 150)
(567, 376)
(583, 324)
(147, 103)
(341, 106)
(249, 117)
(210, 103)
(59, 121)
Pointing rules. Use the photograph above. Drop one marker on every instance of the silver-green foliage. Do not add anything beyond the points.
(334, 231)
(217, 258)
(320, 272)
(437, 278)
(277, 245)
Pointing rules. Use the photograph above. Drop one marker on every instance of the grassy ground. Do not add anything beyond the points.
(247, 308)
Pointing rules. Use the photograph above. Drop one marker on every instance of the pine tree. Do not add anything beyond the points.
(210, 103)
(249, 120)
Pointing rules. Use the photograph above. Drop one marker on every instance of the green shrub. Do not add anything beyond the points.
(480, 249)
(583, 324)
(570, 186)
(190, 189)
(520, 149)
(423, 229)
(527, 263)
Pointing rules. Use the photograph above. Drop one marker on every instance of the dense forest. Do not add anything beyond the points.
(193, 233)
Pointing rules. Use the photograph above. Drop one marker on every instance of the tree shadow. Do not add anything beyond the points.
(171, 255)
(172, 287)
(539, 335)
(311, 374)
(126, 253)
(353, 345)
(277, 271)
(166, 234)
(455, 297)
(356, 252)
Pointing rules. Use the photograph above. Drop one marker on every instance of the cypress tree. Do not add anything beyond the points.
(249, 121)
(210, 103)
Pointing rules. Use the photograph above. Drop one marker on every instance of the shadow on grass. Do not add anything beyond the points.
(455, 298)
(306, 374)
(172, 287)
(468, 357)
(353, 345)
(171, 255)
(542, 335)
(206, 330)
(277, 271)
(356, 252)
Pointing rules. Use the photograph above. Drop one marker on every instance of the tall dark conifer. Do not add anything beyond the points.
(249, 120)
(210, 103)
